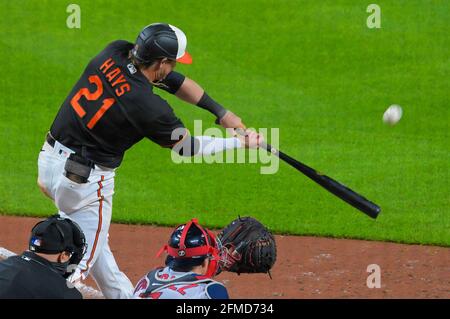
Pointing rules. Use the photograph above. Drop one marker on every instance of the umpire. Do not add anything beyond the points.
(55, 246)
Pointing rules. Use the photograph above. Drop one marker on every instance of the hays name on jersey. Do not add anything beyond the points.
(115, 77)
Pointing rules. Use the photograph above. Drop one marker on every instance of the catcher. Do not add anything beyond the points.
(195, 255)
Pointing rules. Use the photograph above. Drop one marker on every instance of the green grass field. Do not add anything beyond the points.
(311, 68)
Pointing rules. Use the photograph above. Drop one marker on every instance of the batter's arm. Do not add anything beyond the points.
(191, 92)
(208, 145)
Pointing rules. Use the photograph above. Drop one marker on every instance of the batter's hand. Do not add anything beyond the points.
(231, 120)
(251, 139)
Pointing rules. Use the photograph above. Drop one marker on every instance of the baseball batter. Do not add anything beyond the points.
(111, 108)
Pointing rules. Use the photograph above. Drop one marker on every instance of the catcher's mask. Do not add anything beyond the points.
(56, 235)
(190, 244)
(161, 40)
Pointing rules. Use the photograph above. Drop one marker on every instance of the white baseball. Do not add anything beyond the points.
(393, 114)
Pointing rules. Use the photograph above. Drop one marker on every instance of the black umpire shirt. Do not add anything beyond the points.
(112, 107)
(30, 276)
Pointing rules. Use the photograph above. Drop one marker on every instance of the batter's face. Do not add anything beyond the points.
(163, 68)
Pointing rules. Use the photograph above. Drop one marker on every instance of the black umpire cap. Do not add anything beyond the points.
(57, 234)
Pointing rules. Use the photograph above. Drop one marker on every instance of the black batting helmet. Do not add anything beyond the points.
(189, 245)
(161, 40)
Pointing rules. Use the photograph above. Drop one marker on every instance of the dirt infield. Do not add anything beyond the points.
(306, 267)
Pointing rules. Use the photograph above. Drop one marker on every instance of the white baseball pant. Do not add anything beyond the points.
(89, 205)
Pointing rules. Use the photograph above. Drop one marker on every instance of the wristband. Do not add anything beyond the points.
(209, 104)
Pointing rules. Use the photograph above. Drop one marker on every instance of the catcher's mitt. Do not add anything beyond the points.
(247, 247)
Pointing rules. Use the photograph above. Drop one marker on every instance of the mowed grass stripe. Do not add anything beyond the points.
(312, 69)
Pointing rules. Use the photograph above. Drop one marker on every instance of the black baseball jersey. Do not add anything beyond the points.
(30, 276)
(112, 107)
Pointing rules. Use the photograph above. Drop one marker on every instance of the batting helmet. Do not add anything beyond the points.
(189, 245)
(161, 40)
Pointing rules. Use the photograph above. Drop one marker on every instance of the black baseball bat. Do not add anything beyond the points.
(343, 192)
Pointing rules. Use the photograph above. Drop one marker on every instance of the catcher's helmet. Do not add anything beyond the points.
(56, 235)
(189, 245)
(160, 40)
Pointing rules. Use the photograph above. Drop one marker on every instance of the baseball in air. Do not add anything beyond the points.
(393, 114)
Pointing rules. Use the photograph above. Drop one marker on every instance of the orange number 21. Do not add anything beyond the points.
(107, 103)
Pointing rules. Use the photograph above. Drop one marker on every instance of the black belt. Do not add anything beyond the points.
(50, 140)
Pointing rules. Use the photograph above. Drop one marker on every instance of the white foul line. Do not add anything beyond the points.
(87, 291)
